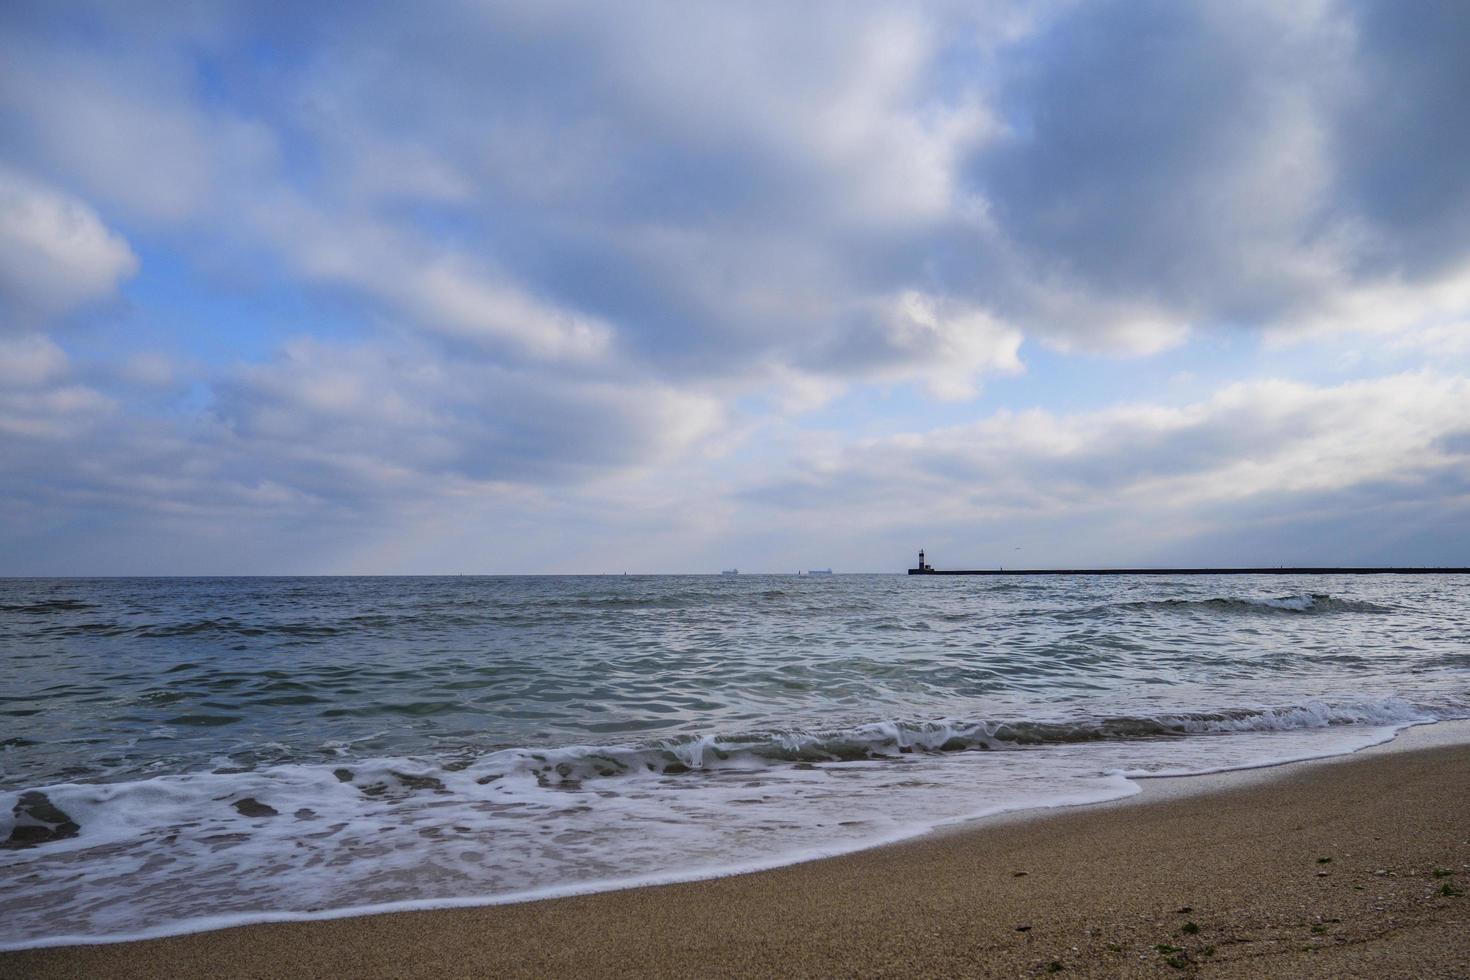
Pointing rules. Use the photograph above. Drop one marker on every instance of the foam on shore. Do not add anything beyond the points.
(319, 841)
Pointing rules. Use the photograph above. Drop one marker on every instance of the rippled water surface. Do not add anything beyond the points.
(184, 752)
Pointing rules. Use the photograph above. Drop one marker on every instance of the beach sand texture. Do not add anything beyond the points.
(1352, 868)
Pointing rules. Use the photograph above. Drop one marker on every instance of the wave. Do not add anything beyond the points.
(202, 628)
(302, 839)
(570, 766)
(46, 606)
(672, 601)
(1306, 602)
(892, 739)
(309, 631)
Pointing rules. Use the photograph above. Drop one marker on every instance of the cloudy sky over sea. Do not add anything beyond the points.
(563, 287)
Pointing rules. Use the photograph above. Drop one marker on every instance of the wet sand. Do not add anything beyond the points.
(1348, 868)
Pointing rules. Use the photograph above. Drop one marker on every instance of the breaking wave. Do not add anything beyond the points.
(306, 840)
(572, 765)
(889, 739)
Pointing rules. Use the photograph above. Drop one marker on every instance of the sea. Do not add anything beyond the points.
(179, 754)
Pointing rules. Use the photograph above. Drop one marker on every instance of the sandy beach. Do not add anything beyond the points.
(1351, 867)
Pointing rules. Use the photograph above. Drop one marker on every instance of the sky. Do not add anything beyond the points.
(552, 287)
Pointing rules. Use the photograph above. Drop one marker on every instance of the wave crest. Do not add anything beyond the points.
(892, 739)
(1306, 602)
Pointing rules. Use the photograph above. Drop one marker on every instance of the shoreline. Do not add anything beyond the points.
(1145, 788)
(1422, 762)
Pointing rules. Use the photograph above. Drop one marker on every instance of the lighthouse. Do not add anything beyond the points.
(923, 565)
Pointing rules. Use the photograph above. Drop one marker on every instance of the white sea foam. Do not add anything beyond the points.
(1313, 714)
(1295, 603)
(413, 833)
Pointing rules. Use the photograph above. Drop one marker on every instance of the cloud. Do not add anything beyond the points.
(1442, 341)
(686, 204)
(1261, 444)
(29, 360)
(124, 120)
(55, 252)
(430, 288)
(1105, 177)
(149, 369)
(40, 404)
(1170, 167)
(1399, 133)
(393, 421)
(917, 337)
(546, 251)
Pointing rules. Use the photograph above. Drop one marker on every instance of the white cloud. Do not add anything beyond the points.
(946, 349)
(476, 307)
(124, 123)
(149, 369)
(52, 413)
(427, 287)
(1251, 440)
(28, 360)
(405, 419)
(55, 252)
(1385, 307)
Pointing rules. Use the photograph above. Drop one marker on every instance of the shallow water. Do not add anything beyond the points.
(233, 748)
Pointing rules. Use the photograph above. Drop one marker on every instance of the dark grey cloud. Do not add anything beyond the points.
(1402, 134)
(1142, 135)
(1226, 164)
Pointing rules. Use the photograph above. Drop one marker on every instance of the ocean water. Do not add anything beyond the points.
(184, 753)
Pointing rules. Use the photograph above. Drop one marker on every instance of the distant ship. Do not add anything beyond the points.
(730, 571)
(819, 571)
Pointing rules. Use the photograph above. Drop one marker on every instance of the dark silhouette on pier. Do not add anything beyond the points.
(927, 569)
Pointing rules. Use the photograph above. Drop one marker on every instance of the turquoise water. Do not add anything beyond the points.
(213, 750)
